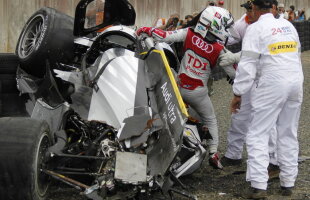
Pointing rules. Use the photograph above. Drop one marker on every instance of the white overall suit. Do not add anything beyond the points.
(240, 121)
(271, 48)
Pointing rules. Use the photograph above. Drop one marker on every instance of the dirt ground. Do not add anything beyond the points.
(229, 183)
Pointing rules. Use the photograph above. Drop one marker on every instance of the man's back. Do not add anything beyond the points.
(277, 43)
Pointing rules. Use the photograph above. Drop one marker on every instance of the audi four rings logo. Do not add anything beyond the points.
(208, 48)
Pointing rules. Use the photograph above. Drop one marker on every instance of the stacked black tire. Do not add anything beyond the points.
(307, 35)
(303, 29)
(301, 32)
(11, 103)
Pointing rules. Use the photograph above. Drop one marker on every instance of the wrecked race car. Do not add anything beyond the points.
(106, 118)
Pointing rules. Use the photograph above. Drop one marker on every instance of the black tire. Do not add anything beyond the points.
(11, 103)
(8, 63)
(8, 84)
(23, 143)
(53, 40)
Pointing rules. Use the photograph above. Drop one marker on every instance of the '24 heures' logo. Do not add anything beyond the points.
(201, 44)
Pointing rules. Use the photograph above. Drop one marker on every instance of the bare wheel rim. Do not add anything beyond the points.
(42, 180)
(31, 36)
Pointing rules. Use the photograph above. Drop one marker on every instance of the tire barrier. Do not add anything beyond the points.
(303, 29)
(11, 103)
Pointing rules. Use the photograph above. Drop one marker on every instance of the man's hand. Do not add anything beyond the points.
(229, 58)
(235, 104)
(147, 30)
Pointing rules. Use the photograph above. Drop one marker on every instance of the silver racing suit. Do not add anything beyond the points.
(200, 57)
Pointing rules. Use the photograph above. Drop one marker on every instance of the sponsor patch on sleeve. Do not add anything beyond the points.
(282, 47)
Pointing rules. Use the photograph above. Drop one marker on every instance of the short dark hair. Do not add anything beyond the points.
(247, 5)
(263, 4)
(292, 7)
(275, 2)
